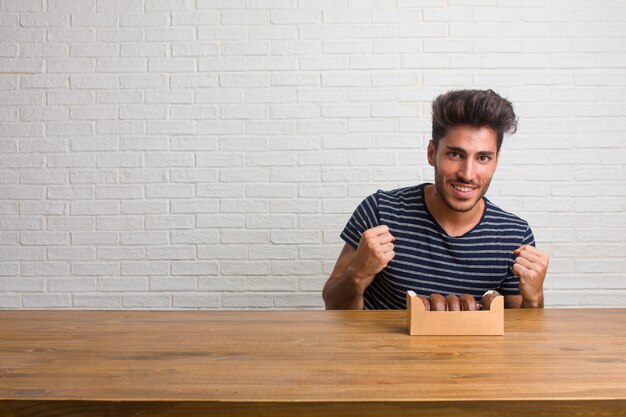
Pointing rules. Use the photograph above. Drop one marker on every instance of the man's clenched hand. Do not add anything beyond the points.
(374, 252)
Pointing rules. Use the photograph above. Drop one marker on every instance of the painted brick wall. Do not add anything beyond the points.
(174, 154)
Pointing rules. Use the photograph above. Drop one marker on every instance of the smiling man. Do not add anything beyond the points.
(444, 237)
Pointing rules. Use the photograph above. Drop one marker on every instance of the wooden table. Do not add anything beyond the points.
(566, 362)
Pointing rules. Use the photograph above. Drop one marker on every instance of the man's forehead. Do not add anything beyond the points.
(478, 139)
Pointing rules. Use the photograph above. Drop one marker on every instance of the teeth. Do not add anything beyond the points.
(461, 188)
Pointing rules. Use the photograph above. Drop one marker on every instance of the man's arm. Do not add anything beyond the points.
(356, 268)
(531, 266)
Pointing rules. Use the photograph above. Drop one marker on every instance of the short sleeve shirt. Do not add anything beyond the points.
(427, 259)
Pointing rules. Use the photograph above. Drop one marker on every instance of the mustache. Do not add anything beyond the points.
(463, 182)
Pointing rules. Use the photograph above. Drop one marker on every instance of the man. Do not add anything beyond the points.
(444, 237)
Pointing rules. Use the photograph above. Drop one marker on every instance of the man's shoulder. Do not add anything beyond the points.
(404, 194)
(495, 214)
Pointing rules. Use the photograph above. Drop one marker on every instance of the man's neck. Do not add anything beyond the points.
(455, 223)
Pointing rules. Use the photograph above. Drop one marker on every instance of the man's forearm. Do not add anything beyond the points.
(538, 303)
(346, 293)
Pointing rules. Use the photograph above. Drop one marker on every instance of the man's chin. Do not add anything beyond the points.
(462, 207)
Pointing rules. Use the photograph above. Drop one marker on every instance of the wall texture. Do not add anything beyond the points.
(161, 154)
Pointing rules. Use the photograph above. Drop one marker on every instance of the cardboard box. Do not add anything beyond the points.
(440, 323)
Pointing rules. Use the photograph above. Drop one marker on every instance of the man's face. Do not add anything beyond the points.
(464, 162)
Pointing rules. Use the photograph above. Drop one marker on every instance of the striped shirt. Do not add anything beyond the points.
(427, 259)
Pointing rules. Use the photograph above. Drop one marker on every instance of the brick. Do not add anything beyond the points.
(243, 206)
(99, 301)
(191, 237)
(119, 6)
(120, 223)
(244, 17)
(194, 268)
(244, 175)
(290, 17)
(47, 268)
(94, 238)
(194, 18)
(242, 300)
(90, 19)
(219, 220)
(136, 176)
(70, 223)
(220, 190)
(244, 268)
(71, 35)
(169, 222)
(272, 33)
(301, 300)
(168, 5)
(43, 81)
(121, 65)
(8, 269)
(93, 50)
(69, 253)
(194, 300)
(44, 238)
(194, 206)
(147, 301)
(324, 63)
(271, 284)
(171, 252)
(73, 285)
(172, 284)
(244, 236)
(221, 4)
(193, 175)
(144, 268)
(78, 208)
(222, 251)
(295, 206)
(119, 35)
(143, 238)
(223, 32)
(143, 207)
(21, 6)
(244, 80)
(169, 191)
(47, 301)
(118, 254)
(143, 19)
(22, 35)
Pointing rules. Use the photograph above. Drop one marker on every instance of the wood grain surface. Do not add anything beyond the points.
(117, 363)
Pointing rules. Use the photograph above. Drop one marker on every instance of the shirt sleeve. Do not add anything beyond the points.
(510, 285)
(364, 217)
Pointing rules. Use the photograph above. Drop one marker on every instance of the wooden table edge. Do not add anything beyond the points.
(503, 408)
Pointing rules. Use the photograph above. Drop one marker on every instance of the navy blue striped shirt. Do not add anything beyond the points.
(427, 259)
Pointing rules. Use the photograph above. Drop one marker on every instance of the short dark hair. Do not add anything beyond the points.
(478, 108)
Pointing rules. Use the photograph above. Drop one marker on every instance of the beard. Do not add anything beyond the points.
(447, 200)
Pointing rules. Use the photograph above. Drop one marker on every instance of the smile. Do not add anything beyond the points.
(462, 188)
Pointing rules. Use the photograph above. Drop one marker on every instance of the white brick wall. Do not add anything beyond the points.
(179, 154)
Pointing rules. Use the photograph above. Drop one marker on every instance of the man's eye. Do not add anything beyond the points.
(454, 155)
(484, 158)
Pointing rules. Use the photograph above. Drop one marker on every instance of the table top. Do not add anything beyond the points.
(308, 356)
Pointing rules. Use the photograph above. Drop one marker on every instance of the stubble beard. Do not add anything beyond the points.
(442, 196)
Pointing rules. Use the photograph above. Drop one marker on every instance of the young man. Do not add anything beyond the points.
(444, 237)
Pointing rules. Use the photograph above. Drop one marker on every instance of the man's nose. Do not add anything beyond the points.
(467, 170)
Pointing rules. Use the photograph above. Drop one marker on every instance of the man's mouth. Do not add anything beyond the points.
(462, 188)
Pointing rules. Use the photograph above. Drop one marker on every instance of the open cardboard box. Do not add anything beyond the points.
(440, 323)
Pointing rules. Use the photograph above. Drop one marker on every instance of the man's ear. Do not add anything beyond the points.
(432, 153)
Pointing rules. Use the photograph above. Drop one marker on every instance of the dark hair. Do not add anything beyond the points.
(478, 108)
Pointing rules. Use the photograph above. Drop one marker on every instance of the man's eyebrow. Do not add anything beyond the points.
(463, 151)
(455, 149)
